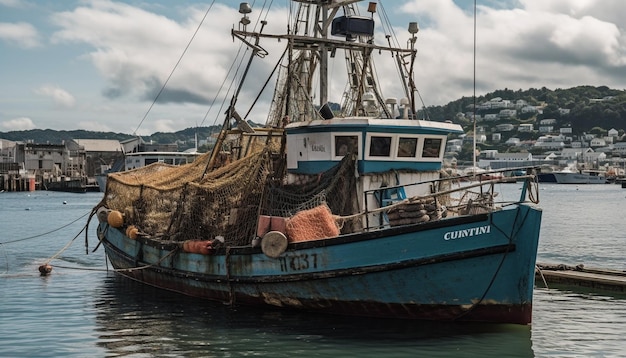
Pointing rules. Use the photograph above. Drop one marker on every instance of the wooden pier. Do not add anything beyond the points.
(593, 279)
(11, 182)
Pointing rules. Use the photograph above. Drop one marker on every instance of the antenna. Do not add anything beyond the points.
(474, 112)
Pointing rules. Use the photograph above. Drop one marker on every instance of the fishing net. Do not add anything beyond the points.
(178, 203)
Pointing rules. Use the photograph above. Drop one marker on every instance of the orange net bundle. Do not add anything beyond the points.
(312, 224)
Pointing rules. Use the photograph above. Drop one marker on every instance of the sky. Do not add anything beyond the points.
(100, 64)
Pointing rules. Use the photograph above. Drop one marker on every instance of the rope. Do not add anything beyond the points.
(493, 278)
(175, 67)
(66, 246)
(46, 233)
(538, 269)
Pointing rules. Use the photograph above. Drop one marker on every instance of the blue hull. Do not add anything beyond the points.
(471, 268)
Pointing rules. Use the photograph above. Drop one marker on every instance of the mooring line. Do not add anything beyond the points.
(46, 233)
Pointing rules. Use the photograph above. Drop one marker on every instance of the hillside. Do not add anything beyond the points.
(589, 108)
(57, 137)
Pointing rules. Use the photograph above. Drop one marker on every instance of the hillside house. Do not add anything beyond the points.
(454, 145)
(547, 121)
(507, 114)
(490, 117)
(549, 142)
(575, 153)
(546, 129)
(505, 127)
(525, 127)
(513, 141)
(597, 142)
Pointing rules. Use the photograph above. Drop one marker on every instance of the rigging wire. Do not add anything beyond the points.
(474, 85)
(175, 67)
(241, 46)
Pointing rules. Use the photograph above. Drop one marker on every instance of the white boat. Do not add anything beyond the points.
(581, 177)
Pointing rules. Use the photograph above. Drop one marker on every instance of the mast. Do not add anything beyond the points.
(323, 57)
(310, 48)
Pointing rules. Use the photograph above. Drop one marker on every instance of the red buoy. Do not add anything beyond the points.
(45, 269)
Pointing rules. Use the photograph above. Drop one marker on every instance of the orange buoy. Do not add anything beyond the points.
(45, 269)
(115, 219)
(132, 232)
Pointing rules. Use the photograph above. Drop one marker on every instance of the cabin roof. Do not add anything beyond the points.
(375, 123)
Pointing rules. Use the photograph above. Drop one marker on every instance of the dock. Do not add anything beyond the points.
(594, 279)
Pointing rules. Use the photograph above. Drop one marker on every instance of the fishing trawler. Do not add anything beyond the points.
(341, 211)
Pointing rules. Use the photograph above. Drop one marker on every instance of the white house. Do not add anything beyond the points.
(490, 117)
(516, 142)
(525, 127)
(549, 142)
(528, 109)
(507, 113)
(506, 127)
(454, 145)
(594, 157)
(575, 153)
(547, 121)
(619, 147)
(597, 142)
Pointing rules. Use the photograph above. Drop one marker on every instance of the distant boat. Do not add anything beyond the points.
(339, 213)
(582, 177)
(70, 185)
(570, 176)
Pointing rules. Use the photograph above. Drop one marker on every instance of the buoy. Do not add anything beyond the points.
(45, 269)
(132, 232)
(64, 202)
(274, 243)
(102, 213)
(115, 219)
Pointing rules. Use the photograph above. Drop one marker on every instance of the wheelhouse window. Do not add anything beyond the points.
(407, 147)
(432, 148)
(380, 146)
(345, 144)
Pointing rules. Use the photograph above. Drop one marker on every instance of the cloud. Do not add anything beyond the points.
(135, 50)
(529, 43)
(18, 124)
(164, 125)
(520, 44)
(61, 98)
(21, 34)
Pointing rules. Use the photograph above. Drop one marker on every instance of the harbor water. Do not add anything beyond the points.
(83, 310)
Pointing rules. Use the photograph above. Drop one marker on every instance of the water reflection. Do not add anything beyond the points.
(134, 319)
